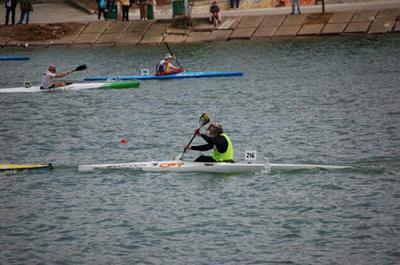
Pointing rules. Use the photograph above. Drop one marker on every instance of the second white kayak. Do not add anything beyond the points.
(75, 87)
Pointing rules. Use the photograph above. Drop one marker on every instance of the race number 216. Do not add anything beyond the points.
(250, 155)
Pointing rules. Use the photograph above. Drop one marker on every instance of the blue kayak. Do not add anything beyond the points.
(14, 58)
(170, 76)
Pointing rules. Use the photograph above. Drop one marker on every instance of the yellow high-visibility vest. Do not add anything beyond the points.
(228, 155)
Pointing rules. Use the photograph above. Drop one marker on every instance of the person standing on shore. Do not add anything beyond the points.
(101, 8)
(26, 8)
(233, 3)
(151, 9)
(10, 6)
(125, 9)
(294, 3)
(143, 8)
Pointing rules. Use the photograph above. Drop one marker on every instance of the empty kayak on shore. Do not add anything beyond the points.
(22, 167)
(14, 58)
(76, 87)
(170, 76)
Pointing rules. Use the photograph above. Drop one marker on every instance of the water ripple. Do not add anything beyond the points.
(286, 107)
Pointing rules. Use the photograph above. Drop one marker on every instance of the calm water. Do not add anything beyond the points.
(331, 101)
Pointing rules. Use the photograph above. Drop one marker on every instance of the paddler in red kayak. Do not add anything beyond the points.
(165, 66)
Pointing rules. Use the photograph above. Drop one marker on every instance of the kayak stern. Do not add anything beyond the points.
(121, 85)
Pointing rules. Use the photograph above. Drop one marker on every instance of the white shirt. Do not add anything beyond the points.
(47, 80)
(160, 68)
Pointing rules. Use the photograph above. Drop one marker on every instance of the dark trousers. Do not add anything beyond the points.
(233, 2)
(143, 11)
(204, 159)
(12, 11)
(101, 10)
(24, 14)
(125, 13)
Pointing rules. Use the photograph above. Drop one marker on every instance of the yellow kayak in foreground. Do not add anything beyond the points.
(20, 167)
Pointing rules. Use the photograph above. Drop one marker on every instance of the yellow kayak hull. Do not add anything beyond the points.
(20, 167)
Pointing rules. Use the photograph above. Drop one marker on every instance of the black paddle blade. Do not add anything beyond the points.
(81, 67)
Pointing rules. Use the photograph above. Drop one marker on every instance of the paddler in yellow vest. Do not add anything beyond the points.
(217, 140)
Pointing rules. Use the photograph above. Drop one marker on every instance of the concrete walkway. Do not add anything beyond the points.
(52, 13)
(342, 7)
(61, 12)
(340, 19)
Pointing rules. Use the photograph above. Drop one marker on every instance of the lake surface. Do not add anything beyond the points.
(320, 100)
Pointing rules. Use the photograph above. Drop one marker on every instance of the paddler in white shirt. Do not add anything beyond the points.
(165, 66)
(216, 139)
(47, 80)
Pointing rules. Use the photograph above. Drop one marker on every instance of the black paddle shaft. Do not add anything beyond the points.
(173, 54)
(191, 140)
(203, 121)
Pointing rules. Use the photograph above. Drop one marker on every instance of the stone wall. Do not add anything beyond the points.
(118, 33)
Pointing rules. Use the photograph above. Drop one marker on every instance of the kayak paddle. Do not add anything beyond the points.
(202, 121)
(80, 68)
(173, 54)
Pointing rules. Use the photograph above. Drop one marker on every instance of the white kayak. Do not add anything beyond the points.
(190, 166)
(75, 87)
